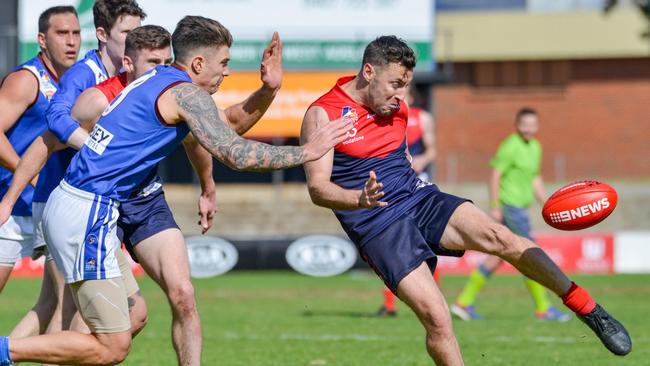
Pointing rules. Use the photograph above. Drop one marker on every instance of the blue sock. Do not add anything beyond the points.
(5, 357)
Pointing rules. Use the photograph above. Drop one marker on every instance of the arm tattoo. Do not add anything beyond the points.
(222, 142)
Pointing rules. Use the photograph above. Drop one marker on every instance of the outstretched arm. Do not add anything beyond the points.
(321, 190)
(187, 102)
(244, 115)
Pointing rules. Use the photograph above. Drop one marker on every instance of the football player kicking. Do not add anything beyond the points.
(401, 223)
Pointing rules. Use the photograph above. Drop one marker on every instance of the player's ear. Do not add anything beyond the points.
(128, 64)
(101, 34)
(368, 72)
(41, 40)
(197, 64)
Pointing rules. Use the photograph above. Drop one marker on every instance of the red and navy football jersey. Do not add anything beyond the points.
(113, 86)
(375, 143)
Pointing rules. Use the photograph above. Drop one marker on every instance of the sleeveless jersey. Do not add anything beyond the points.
(129, 139)
(374, 143)
(28, 127)
(111, 88)
(82, 75)
(414, 132)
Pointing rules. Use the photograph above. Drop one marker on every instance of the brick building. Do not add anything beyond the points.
(587, 73)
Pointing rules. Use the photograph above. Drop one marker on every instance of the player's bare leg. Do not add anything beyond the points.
(104, 307)
(168, 265)
(420, 292)
(5, 272)
(72, 348)
(470, 228)
(46, 312)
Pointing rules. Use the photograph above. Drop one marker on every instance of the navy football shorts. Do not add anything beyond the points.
(142, 217)
(412, 239)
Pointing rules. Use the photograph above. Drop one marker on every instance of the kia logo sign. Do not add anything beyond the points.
(321, 255)
(210, 256)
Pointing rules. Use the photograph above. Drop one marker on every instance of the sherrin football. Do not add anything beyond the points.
(579, 205)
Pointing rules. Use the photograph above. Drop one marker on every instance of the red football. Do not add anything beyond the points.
(579, 205)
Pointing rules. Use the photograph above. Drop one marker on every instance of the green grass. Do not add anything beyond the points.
(281, 318)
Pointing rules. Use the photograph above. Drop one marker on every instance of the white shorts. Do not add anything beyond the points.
(16, 240)
(79, 229)
(37, 215)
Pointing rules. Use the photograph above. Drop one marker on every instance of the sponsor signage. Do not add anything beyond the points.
(284, 116)
(317, 34)
(589, 253)
(210, 256)
(321, 255)
(582, 211)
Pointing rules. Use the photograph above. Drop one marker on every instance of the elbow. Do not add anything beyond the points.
(314, 194)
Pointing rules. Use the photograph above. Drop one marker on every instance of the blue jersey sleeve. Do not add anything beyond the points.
(72, 83)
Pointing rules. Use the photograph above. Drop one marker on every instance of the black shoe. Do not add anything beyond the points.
(383, 313)
(610, 331)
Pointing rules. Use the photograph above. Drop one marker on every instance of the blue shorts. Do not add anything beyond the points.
(516, 219)
(142, 217)
(412, 239)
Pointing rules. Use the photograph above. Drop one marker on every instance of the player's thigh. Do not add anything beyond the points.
(164, 257)
(472, 229)
(54, 277)
(5, 273)
(130, 283)
(102, 304)
(398, 250)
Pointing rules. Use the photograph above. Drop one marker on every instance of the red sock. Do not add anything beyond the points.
(389, 299)
(578, 300)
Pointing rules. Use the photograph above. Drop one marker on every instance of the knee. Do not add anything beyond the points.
(182, 298)
(502, 242)
(437, 323)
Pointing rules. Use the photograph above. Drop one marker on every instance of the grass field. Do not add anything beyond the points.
(281, 318)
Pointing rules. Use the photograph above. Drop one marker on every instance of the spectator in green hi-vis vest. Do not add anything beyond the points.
(514, 183)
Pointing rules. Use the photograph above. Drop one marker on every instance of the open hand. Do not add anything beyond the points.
(372, 193)
(271, 66)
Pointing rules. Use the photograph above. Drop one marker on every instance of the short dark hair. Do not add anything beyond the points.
(389, 49)
(524, 111)
(194, 32)
(107, 12)
(44, 18)
(150, 37)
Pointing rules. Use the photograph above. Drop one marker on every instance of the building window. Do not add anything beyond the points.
(521, 74)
